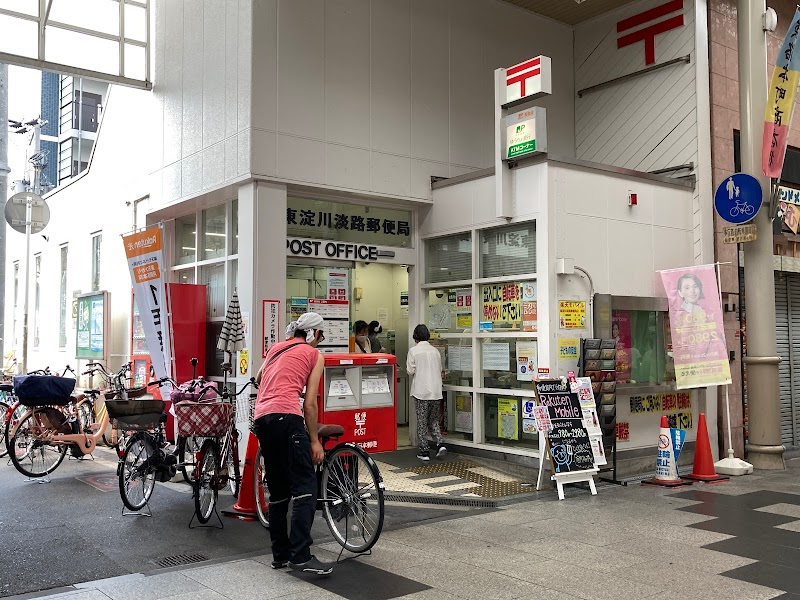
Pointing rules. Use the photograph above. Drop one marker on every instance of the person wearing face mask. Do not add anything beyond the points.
(360, 329)
(289, 443)
(374, 329)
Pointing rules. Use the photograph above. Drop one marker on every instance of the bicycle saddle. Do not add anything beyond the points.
(329, 431)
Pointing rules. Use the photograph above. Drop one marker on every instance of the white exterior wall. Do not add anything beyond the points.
(202, 92)
(365, 96)
(650, 121)
(93, 202)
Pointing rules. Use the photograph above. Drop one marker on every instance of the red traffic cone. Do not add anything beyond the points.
(703, 469)
(667, 458)
(245, 507)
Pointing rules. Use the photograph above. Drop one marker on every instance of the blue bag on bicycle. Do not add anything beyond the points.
(43, 390)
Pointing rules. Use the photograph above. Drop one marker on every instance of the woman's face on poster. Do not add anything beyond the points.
(689, 291)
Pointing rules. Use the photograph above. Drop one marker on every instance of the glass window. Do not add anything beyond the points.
(456, 360)
(503, 422)
(184, 275)
(213, 276)
(450, 310)
(509, 250)
(345, 222)
(213, 220)
(233, 270)
(509, 363)
(448, 258)
(235, 227)
(457, 420)
(185, 240)
(62, 299)
(643, 340)
(214, 356)
(510, 306)
(97, 242)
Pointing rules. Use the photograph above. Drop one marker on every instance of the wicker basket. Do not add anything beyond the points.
(136, 414)
(203, 419)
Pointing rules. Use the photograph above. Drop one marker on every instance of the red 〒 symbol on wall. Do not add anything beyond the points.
(523, 72)
(648, 34)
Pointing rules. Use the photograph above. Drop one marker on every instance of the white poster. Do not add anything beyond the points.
(330, 309)
(144, 251)
(439, 316)
(496, 357)
(337, 333)
(270, 324)
(527, 360)
(459, 358)
(337, 285)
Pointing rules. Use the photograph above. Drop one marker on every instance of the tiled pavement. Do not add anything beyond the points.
(735, 540)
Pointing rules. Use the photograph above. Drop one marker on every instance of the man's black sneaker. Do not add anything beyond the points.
(313, 565)
(423, 456)
(279, 564)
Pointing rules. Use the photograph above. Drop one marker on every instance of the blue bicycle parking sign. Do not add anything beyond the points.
(738, 198)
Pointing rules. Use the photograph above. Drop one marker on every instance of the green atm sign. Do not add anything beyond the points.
(525, 133)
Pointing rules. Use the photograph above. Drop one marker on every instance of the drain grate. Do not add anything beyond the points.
(180, 559)
(441, 500)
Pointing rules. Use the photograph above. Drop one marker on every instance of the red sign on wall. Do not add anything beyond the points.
(648, 34)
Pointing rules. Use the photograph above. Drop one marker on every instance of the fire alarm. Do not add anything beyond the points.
(632, 199)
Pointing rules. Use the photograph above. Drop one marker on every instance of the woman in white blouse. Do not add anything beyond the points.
(424, 364)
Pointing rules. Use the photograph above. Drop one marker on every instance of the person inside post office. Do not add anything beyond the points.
(361, 331)
(375, 344)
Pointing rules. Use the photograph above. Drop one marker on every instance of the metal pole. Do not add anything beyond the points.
(28, 217)
(764, 449)
(4, 171)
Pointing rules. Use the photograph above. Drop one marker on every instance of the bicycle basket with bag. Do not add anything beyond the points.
(43, 390)
(136, 414)
(194, 391)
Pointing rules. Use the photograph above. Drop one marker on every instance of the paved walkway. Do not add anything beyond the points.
(735, 540)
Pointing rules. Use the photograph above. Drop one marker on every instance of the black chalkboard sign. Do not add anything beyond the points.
(568, 442)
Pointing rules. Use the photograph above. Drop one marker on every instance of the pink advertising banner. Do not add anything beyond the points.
(698, 337)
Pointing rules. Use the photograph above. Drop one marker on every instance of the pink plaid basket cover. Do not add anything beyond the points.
(203, 419)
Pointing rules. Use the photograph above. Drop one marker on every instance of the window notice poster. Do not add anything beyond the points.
(91, 326)
(571, 314)
(464, 414)
(507, 418)
(527, 360)
(464, 308)
(337, 285)
(496, 356)
(529, 307)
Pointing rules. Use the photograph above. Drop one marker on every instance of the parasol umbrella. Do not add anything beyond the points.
(231, 338)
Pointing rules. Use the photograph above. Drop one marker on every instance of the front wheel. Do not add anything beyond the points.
(4, 409)
(30, 454)
(234, 475)
(137, 478)
(188, 447)
(352, 498)
(261, 490)
(205, 481)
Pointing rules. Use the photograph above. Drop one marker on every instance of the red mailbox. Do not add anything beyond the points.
(359, 392)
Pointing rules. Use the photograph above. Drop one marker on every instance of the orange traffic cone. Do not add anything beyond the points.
(670, 442)
(703, 469)
(245, 507)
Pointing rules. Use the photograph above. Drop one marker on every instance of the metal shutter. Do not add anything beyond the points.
(784, 368)
(448, 258)
(793, 285)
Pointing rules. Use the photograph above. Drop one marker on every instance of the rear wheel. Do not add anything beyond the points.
(30, 454)
(232, 462)
(261, 490)
(17, 411)
(205, 481)
(188, 447)
(137, 478)
(352, 498)
(4, 408)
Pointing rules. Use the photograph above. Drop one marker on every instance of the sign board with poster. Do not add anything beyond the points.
(337, 323)
(337, 285)
(92, 326)
(572, 314)
(270, 324)
(568, 445)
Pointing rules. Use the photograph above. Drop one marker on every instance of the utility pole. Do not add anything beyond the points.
(4, 171)
(764, 449)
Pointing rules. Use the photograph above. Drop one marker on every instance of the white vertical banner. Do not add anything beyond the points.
(144, 250)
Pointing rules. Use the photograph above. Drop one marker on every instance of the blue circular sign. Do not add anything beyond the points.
(738, 198)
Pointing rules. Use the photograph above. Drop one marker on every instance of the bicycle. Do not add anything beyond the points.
(143, 459)
(12, 409)
(349, 489)
(50, 426)
(217, 462)
(742, 209)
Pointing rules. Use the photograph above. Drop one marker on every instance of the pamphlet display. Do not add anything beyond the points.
(598, 363)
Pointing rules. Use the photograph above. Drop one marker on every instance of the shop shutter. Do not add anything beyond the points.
(509, 250)
(793, 285)
(449, 258)
(783, 345)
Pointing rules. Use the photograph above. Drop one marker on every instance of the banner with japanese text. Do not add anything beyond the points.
(144, 250)
(698, 337)
(780, 102)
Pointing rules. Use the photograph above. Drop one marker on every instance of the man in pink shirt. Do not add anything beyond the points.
(289, 443)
